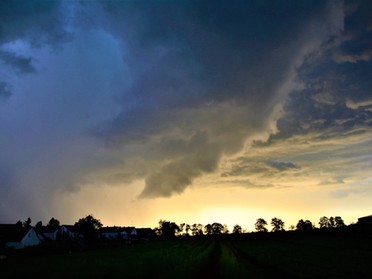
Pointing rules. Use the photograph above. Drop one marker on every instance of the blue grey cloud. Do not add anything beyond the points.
(5, 90)
(331, 80)
(161, 91)
(19, 63)
(325, 125)
(203, 60)
(39, 22)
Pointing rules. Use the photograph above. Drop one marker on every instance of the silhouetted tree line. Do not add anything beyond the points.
(89, 227)
(168, 229)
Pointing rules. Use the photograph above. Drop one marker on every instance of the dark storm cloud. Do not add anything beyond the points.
(18, 62)
(203, 51)
(38, 21)
(324, 130)
(333, 77)
(245, 166)
(150, 90)
(197, 62)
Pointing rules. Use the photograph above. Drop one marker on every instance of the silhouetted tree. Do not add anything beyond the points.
(27, 223)
(39, 225)
(324, 223)
(187, 229)
(181, 228)
(88, 226)
(277, 224)
(304, 225)
(53, 223)
(208, 229)
(214, 229)
(260, 225)
(237, 229)
(167, 229)
(217, 228)
(332, 222)
(197, 229)
(339, 223)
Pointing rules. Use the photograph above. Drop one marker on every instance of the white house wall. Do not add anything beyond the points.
(31, 238)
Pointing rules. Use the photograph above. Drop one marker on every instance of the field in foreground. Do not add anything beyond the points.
(228, 256)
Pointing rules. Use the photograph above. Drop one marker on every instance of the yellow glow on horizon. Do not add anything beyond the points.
(204, 205)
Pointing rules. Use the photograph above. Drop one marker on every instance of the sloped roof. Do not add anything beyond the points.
(129, 230)
(107, 229)
(365, 218)
(12, 232)
(116, 229)
(46, 229)
(71, 228)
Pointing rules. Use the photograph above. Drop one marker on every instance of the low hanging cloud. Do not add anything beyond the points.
(214, 73)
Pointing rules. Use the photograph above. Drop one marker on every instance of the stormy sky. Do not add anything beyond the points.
(191, 111)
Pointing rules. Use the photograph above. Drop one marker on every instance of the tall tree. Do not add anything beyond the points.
(304, 225)
(181, 228)
(27, 223)
(208, 229)
(187, 229)
(332, 222)
(339, 223)
(260, 225)
(324, 223)
(53, 223)
(39, 225)
(217, 228)
(277, 224)
(237, 229)
(167, 229)
(197, 229)
(88, 226)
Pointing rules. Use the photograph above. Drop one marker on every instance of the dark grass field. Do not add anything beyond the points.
(267, 255)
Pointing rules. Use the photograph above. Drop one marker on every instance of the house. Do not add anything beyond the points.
(126, 233)
(67, 232)
(118, 232)
(365, 221)
(111, 232)
(14, 236)
(60, 232)
(145, 233)
(129, 233)
(48, 232)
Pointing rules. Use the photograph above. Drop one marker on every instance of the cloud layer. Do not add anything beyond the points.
(323, 134)
(108, 92)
